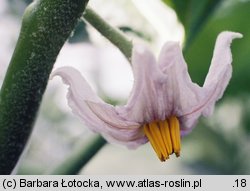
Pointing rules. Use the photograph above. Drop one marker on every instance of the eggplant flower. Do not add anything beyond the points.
(164, 104)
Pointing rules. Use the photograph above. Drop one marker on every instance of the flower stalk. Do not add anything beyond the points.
(115, 36)
(46, 26)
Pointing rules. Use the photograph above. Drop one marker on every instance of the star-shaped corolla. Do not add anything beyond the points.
(164, 104)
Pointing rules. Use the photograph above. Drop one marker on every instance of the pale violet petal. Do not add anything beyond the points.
(96, 114)
(202, 100)
(120, 131)
(131, 144)
(77, 84)
(217, 79)
(78, 92)
(185, 98)
(142, 104)
(180, 95)
(220, 70)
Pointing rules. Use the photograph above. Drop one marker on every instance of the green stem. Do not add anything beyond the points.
(46, 26)
(79, 157)
(114, 35)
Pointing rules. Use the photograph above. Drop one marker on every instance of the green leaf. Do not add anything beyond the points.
(193, 14)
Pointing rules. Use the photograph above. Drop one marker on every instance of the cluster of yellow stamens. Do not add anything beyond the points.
(164, 137)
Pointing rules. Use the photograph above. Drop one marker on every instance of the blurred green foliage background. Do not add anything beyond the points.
(219, 145)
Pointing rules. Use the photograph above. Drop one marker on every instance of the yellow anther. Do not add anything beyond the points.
(155, 131)
(152, 141)
(164, 137)
(175, 134)
(164, 128)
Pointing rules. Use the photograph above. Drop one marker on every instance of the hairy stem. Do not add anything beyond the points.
(46, 26)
